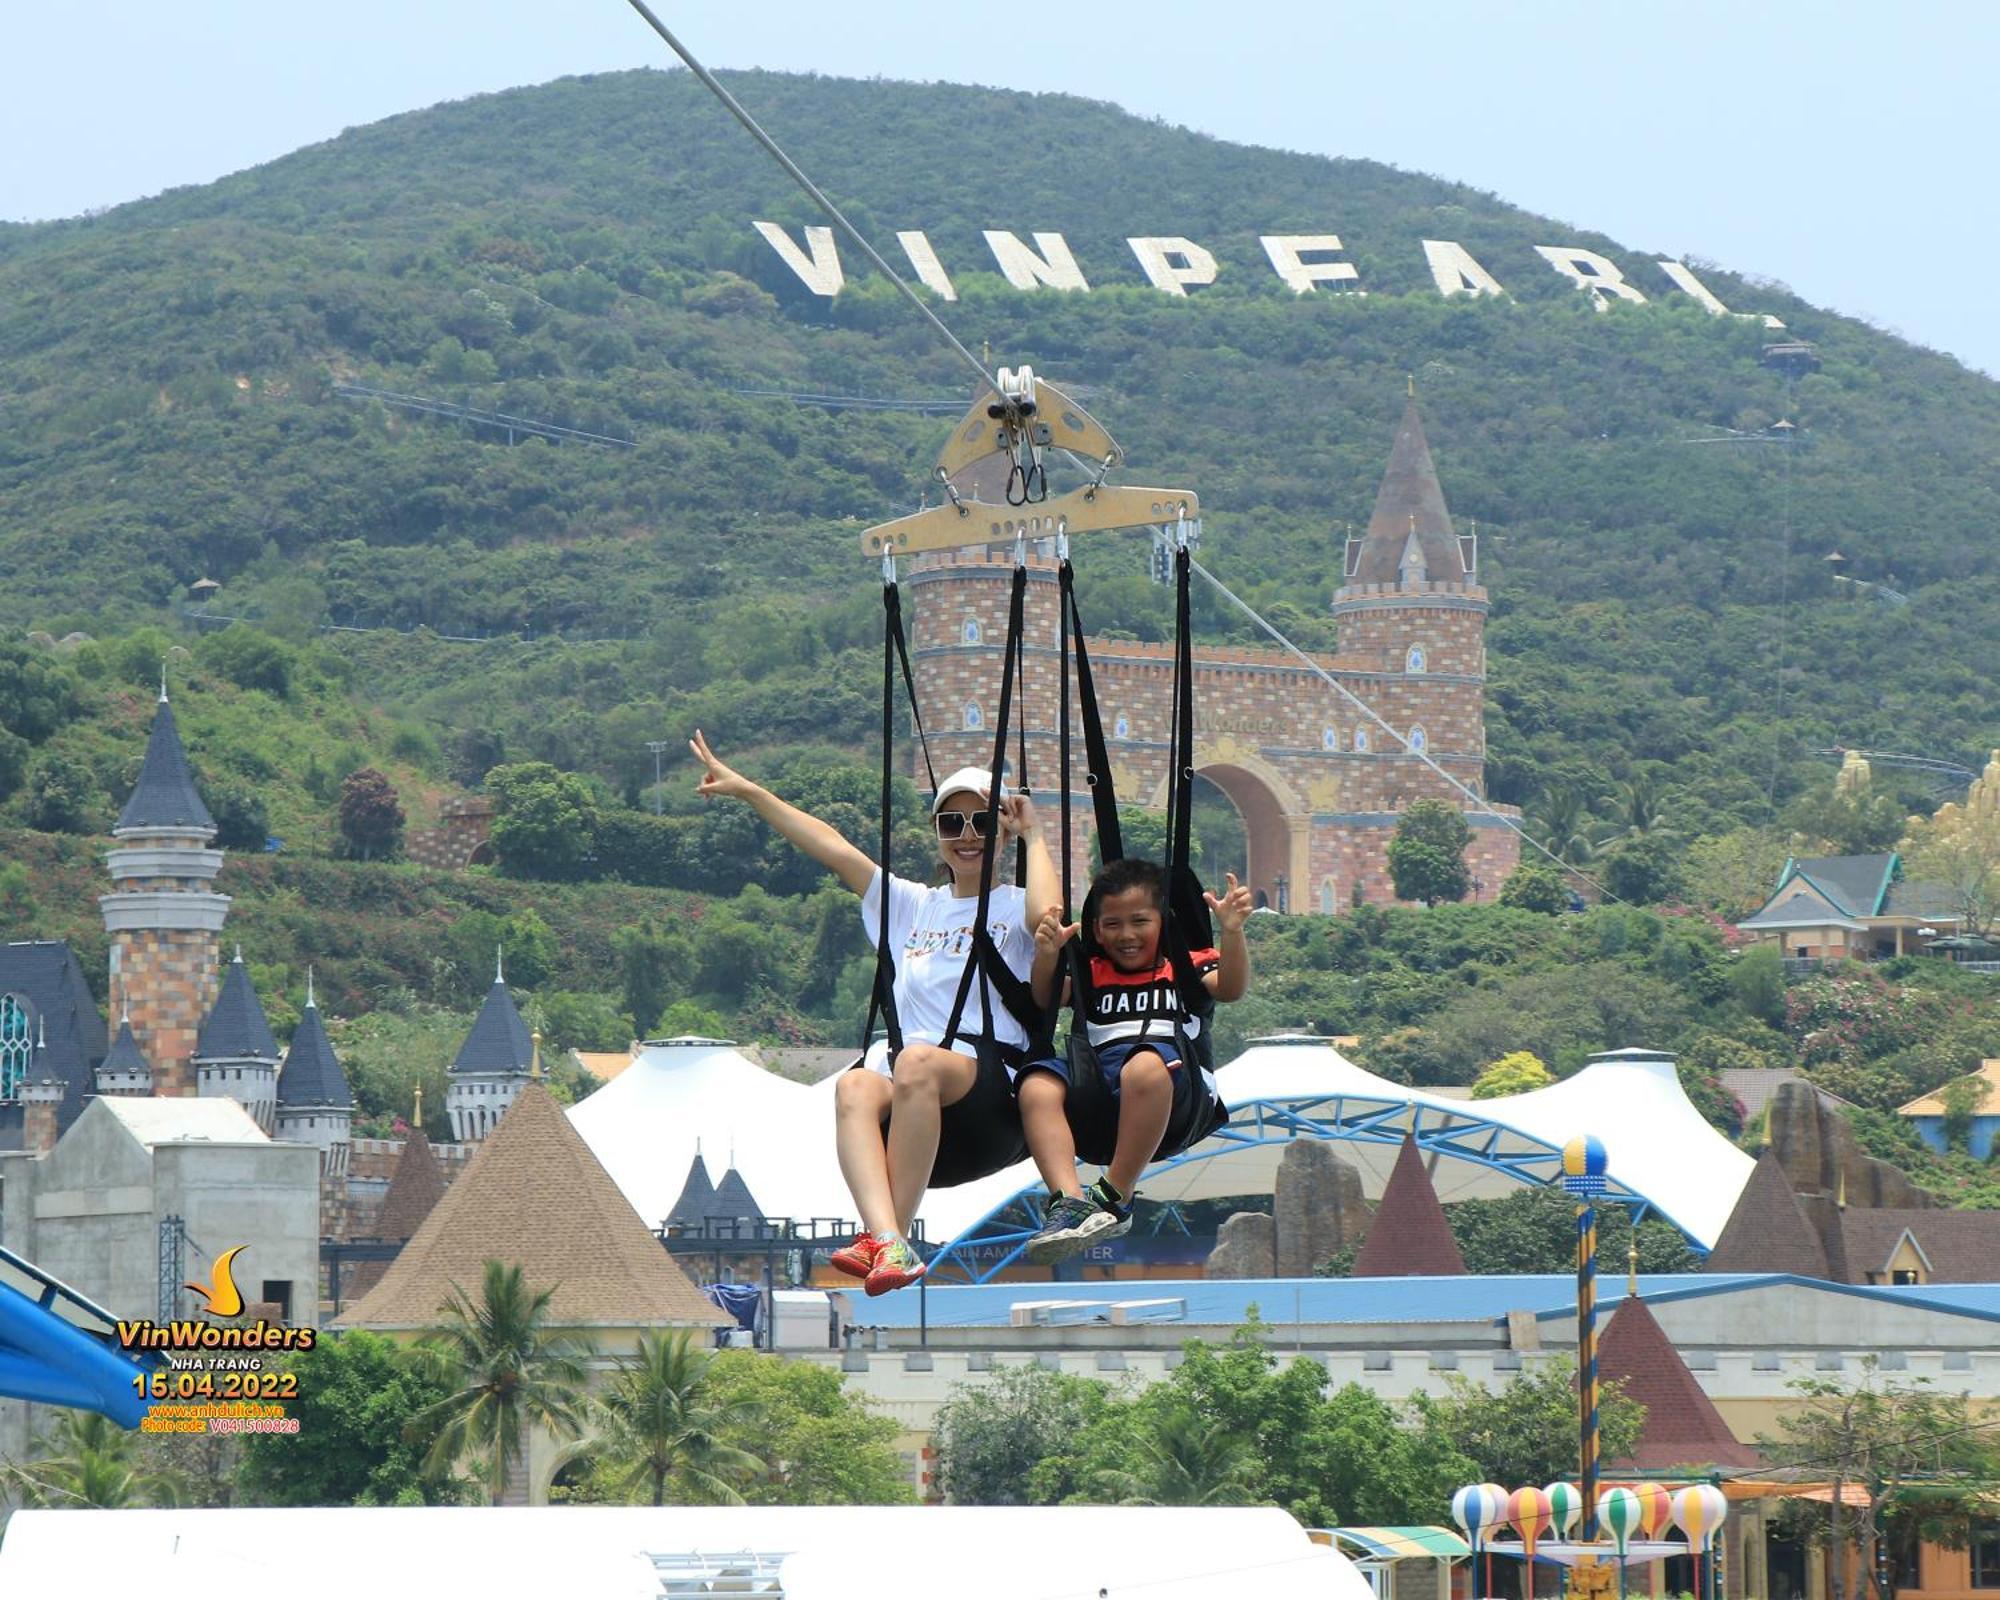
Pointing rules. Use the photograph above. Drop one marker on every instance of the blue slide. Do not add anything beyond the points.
(60, 1349)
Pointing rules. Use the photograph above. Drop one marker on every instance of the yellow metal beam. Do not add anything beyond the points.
(972, 522)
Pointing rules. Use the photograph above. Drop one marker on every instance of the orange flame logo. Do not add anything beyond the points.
(223, 1297)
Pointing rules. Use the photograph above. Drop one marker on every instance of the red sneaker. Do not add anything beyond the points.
(896, 1266)
(857, 1260)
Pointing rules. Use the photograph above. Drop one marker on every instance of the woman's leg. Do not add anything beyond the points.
(860, 1102)
(1045, 1124)
(1145, 1106)
(927, 1079)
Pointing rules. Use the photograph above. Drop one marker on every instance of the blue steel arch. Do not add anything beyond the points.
(1455, 1130)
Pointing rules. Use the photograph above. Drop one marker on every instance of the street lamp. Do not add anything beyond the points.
(656, 746)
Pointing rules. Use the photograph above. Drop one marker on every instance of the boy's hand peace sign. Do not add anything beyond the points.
(1232, 909)
(717, 779)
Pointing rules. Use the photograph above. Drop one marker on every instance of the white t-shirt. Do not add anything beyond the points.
(930, 940)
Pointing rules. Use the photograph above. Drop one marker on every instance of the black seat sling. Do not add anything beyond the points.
(980, 1133)
(1089, 1104)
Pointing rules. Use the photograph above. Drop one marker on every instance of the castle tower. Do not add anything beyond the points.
(163, 916)
(314, 1104)
(123, 1069)
(236, 1054)
(496, 1060)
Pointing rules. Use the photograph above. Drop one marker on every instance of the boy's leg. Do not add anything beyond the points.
(1043, 1096)
(1145, 1106)
(927, 1079)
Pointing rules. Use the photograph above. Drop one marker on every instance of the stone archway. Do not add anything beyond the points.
(1276, 825)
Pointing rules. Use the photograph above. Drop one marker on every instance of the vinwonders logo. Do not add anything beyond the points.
(1174, 264)
(223, 1300)
(214, 1379)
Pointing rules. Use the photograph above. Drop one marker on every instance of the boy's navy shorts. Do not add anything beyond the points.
(1094, 1120)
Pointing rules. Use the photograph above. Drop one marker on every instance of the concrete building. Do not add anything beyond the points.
(142, 1193)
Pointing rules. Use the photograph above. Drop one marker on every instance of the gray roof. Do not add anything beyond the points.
(45, 974)
(499, 1041)
(1856, 884)
(1907, 899)
(1409, 503)
(1755, 1086)
(125, 1054)
(164, 796)
(237, 1028)
(733, 1199)
(311, 1075)
(697, 1196)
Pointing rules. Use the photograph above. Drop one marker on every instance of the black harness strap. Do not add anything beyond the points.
(1097, 759)
(882, 993)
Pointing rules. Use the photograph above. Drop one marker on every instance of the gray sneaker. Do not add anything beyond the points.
(1071, 1225)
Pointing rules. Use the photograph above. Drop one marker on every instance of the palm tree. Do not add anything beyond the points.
(506, 1368)
(87, 1460)
(1563, 820)
(1185, 1459)
(661, 1421)
(1637, 809)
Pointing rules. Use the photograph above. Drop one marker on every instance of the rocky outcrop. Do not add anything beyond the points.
(1246, 1246)
(1317, 1205)
(1817, 1148)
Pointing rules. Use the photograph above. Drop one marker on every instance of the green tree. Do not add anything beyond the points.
(1517, 1072)
(1525, 1432)
(1561, 819)
(990, 1437)
(1964, 1099)
(1536, 886)
(1733, 873)
(356, 1392)
(649, 960)
(38, 695)
(249, 659)
(83, 1460)
(62, 795)
(1846, 822)
(571, 1020)
(663, 1423)
(1181, 1458)
(242, 821)
(1959, 851)
(1873, 1436)
(371, 817)
(1427, 854)
(14, 754)
(1534, 1230)
(821, 1444)
(1643, 870)
(504, 1370)
(546, 821)
(1757, 983)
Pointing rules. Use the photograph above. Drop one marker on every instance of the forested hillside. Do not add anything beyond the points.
(1666, 650)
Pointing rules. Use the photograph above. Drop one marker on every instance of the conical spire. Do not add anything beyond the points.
(165, 795)
(311, 1075)
(1410, 536)
(1769, 1230)
(733, 1199)
(417, 1186)
(1683, 1428)
(125, 1057)
(236, 1029)
(1409, 1237)
(499, 1040)
(697, 1198)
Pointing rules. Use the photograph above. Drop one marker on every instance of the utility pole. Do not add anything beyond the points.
(656, 746)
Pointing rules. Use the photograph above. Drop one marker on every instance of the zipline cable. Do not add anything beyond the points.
(819, 199)
(839, 218)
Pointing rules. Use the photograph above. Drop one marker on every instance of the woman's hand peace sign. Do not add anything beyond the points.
(717, 779)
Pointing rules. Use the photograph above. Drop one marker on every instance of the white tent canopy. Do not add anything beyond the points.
(632, 1552)
(647, 1123)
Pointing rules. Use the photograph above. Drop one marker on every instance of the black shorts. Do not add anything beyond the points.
(1093, 1114)
(979, 1133)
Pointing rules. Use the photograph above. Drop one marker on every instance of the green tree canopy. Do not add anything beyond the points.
(1427, 854)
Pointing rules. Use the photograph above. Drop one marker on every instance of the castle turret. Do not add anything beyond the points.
(237, 1055)
(314, 1104)
(123, 1069)
(163, 916)
(497, 1058)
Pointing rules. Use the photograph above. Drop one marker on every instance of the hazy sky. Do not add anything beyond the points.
(1841, 147)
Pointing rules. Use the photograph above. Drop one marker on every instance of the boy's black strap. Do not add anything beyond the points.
(1097, 759)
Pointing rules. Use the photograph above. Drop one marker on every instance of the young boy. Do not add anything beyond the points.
(1134, 1005)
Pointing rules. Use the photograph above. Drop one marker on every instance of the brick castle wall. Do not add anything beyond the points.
(168, 979)
(1318, 783)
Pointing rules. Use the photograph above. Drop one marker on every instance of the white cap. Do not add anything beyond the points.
(967, 780)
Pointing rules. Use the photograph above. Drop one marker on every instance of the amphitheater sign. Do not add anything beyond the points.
(1306, 262)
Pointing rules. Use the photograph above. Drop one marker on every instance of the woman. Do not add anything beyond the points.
(894, 1120)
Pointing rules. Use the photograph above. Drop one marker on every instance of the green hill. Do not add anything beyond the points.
(582, 252)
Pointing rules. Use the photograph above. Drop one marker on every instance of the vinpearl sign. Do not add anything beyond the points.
(1174, 265)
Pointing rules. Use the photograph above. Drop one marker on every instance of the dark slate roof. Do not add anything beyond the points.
(1410, 498)
(1769, 1231)
(1856, 884)
(1409, 1237)
(46, 975)
(733, 1199)
(696, 1199)
(499, 1041)
(1907, 899)
(164, 796)
(1683, 1428)
(125, 1054)
(311, 1075)
(237, 1028)
(1961, 1246)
